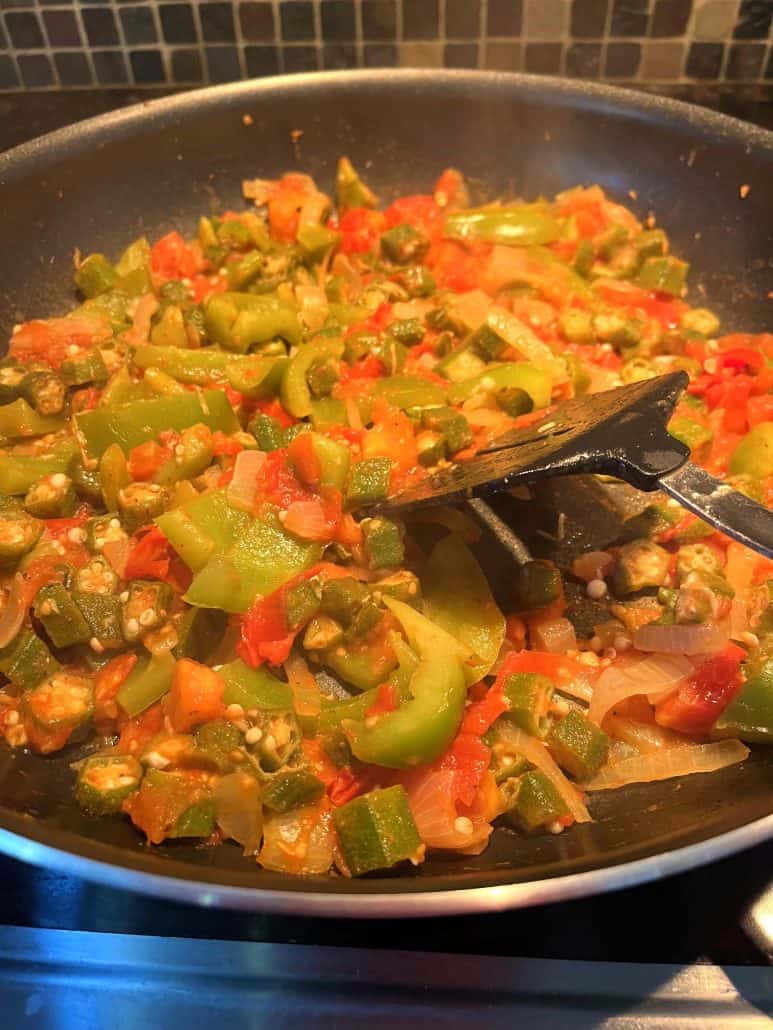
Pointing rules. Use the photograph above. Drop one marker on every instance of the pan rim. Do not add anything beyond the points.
(27, 158)
(554, 88)
(457, 901)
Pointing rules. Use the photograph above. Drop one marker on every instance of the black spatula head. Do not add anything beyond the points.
(619, 432)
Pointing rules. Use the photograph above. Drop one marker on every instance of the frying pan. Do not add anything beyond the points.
(157, 166)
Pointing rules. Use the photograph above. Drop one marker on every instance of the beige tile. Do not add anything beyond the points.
(662, 61)
(545, 19)
(421, 55)
(502, 57)
(714, 19)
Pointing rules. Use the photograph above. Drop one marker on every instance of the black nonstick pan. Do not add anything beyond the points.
(157, 166)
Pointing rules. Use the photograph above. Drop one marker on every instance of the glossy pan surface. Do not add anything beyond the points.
(156, 167)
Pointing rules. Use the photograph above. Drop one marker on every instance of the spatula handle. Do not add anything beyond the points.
(727, 510)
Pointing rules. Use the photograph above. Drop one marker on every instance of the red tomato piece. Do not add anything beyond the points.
(171, 258)
(146, 459)
(361, 230)
(695, 706)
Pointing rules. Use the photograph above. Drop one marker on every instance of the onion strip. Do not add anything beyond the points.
(535, 752)
(642, 675)
(664, 765)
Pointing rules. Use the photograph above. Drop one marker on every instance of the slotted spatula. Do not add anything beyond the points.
(620, 433)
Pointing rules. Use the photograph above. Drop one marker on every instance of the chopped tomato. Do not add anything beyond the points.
(156, 807)
(419, 211)
(760, 409)
(303, 455)
(106, 686)
(195, 697)
(274, 409)
(277, 483)
(697, 703)
(171, 258)
(146, 459)
(225, 444)
(204, 286)
(139, 731)
(366, 368)
(287, 198)
(468, 758)
(54, 340)
(557, 667)
(480, 715)
(350, 783)
(85, 400)
(149, 555)
(666, 309)
(361, 230)
(456, 266)
(392, 436)
(321, 765)
(265, 635)
(450, 190)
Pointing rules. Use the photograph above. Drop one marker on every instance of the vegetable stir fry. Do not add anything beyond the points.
(198, 606)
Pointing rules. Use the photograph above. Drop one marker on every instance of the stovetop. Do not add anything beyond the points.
(667, 939)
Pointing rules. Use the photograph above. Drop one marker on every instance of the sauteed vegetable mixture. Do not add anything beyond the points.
(197, 604)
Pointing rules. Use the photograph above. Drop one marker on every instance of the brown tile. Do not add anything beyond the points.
(421, 55)
(545, 19)
(662, 61)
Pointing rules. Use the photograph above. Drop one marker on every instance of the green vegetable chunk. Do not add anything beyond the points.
(368, 482)
(26, 660)
(60, 616)
(578, 745)
(383, 543)
(537, 802)
(753, 456)
(377, 831)
(749, 716)
(292, 789)
(105, 781)
(528, 696)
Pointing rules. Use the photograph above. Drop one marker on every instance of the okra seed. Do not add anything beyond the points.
(115, 523)
(270, 742)
(507, 761)
(596, 589)
(124, 597)
(234, 712)
(126, 781)
(96, 646)
(132, 627)
(147, 618)
(253, 735)
(555, 827)
(12, 719)
(463, 825)
(621, 643)
(750, 639)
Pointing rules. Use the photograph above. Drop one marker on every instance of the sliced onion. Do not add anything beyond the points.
(242, 489)
(680, 639)
(469, 308)
(534, 751)
(646, 737)
(300, 841)
(309, 520)
(416, 308)
(13, 610)
(430, 796)
(663, 765)
(554, 635)
(313, 306)
(238, 810)
(117, 554)
(307, 698)
(650, 674)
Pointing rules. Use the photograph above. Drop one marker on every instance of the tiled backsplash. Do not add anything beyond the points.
(84, 43)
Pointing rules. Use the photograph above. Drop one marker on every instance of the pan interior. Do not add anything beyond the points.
(100, 184)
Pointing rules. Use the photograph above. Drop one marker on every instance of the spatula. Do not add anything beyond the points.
(621, 433)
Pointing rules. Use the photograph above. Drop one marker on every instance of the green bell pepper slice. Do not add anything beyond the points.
(377, 830)
(259, 562)
(666, 274)
(458, 599)
(421, 728)
(254, 688)
(351, 191)
(18, 472)
(132, 424)
(147, 683)
(237, 321)
(18, 420)
(203, 526)
(753, 456)
(691, 433)
(95, 275)
(518, 225)
(198, 366)
(294, 390)
(749, 716)
(513, 375)
(404, 391)
(257, 377)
